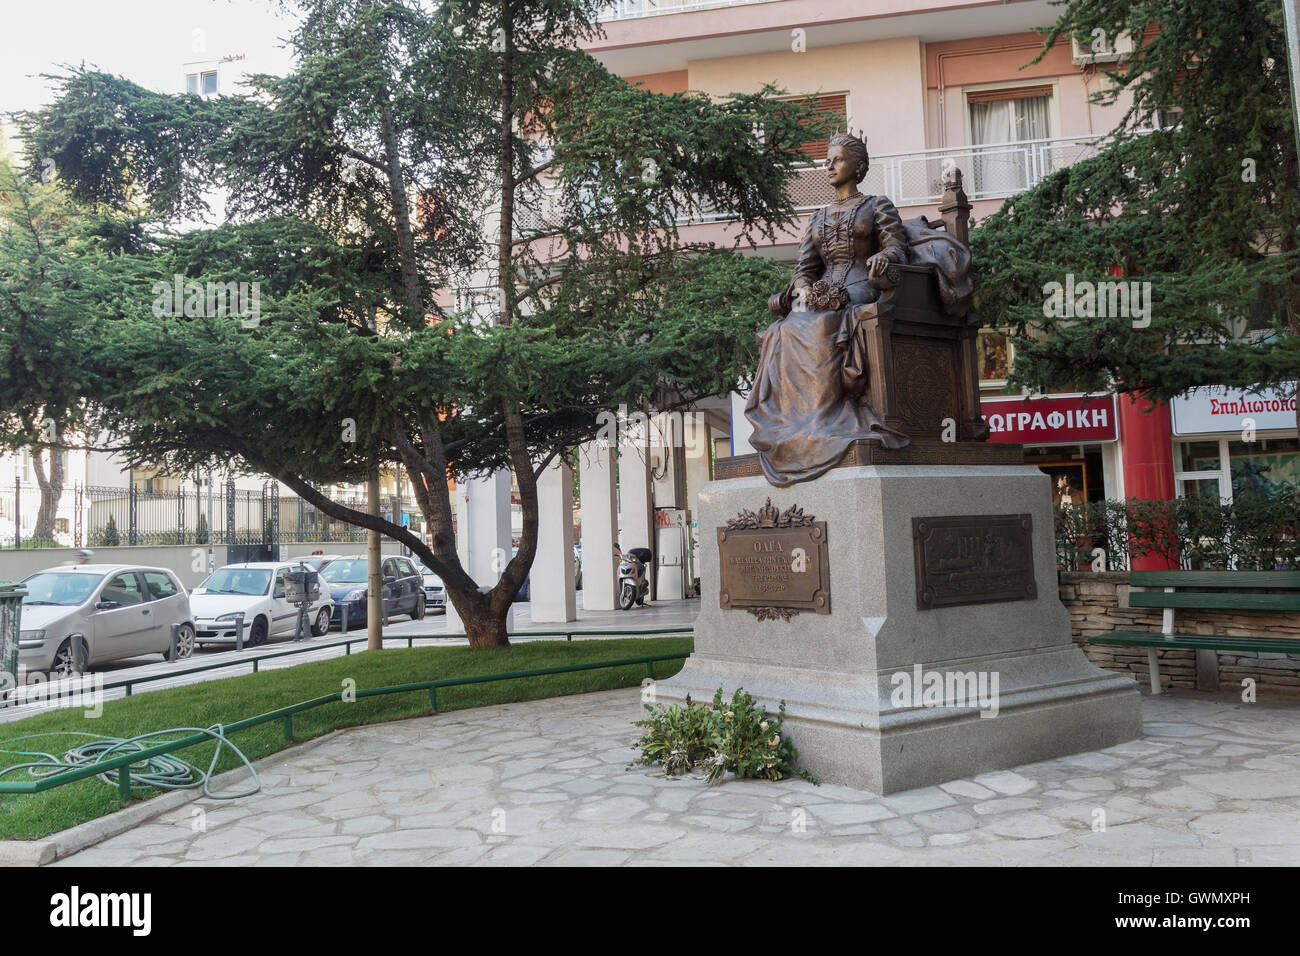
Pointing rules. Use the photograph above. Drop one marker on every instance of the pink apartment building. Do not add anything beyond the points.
(938, 83)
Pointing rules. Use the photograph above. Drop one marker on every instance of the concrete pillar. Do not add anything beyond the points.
(554, 599)
(597, 481)
(741, 429)
(1146, 448)
(483, 538)
(635, 511)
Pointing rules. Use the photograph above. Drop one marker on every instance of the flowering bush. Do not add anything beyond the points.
(737, 735)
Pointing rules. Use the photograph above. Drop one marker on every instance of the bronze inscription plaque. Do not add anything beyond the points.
(973, 559)
(774, 565)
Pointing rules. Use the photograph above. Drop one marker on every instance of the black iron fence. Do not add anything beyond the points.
(110, 516)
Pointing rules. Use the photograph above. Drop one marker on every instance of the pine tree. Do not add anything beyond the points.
(1205, 209)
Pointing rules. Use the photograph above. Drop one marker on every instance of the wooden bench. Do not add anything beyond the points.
(1211, 596)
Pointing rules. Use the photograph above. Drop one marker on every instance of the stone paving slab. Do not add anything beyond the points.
(1213, 783)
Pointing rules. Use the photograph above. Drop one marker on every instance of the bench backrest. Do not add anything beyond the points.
(1224, 600)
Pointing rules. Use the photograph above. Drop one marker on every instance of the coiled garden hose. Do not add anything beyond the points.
(161, 771)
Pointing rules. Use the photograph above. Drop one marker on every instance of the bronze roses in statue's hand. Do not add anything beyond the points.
(824, 297)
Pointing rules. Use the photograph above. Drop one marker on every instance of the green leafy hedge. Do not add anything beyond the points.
(1254, 533)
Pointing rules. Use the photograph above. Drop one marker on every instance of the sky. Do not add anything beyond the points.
(148, 41)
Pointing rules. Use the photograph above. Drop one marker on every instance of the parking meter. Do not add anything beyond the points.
(301, 588)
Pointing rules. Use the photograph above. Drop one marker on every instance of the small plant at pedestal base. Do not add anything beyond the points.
(738, 735)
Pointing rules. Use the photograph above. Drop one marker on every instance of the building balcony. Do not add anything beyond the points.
(911, 179)
(916, 178)
(633, 9)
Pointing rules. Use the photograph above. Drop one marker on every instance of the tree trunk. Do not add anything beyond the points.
(51, 492)
(484, 625)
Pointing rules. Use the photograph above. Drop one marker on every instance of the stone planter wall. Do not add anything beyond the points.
(1098, 603)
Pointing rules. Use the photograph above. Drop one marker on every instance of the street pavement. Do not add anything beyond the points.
(1214, 782)
(434, 627)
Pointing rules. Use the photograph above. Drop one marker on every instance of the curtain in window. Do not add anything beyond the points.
(1001, 167)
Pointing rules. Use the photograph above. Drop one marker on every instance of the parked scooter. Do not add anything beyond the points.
(633, 581)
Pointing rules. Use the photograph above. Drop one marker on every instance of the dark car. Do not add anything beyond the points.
(347, 579)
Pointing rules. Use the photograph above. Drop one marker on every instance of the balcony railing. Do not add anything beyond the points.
(908, 178)
(916, 178)
(633, 9)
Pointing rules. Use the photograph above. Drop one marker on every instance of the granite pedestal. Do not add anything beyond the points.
(854, 719)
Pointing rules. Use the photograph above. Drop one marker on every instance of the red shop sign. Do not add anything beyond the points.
(1050, 421)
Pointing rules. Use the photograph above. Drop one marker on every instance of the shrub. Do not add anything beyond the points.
(109, 537)
(1255, 532)
(738, 735)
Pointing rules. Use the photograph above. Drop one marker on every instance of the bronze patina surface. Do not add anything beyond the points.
(973, 559)
(870, 453)
(874, 340)
(774, 564)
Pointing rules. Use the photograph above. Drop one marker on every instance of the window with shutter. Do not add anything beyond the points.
(832, 106)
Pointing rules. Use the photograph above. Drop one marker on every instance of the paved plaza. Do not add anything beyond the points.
(1214, 782)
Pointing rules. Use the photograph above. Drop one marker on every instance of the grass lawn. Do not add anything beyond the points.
(30, 816)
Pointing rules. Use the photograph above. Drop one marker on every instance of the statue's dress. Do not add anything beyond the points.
(807, 403)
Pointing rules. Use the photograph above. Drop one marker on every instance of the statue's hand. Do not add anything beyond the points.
(878, 269)
(780, 304)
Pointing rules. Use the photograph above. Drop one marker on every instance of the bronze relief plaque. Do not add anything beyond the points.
(774, 564)
(973, 559)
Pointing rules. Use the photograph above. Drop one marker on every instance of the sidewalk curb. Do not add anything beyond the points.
(75, 839)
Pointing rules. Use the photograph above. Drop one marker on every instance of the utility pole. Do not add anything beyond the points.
(375, 579)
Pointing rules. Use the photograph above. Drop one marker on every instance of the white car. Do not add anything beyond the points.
(258, 590)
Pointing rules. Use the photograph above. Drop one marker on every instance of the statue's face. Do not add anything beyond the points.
(841, 168)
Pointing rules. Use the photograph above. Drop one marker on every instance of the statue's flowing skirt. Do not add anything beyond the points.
(805, 409)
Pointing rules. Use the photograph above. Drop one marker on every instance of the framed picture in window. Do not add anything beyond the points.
(994, 354)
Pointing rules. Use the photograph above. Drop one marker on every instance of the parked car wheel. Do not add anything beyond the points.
(257, 636)
(184, 643)
(65, 660)
(322, 624)
(419, 609)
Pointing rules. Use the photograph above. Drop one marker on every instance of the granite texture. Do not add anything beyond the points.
(838, 673)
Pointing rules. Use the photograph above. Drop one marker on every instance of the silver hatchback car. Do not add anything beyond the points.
(117, 611)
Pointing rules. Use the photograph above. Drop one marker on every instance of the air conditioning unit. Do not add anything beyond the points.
(1101, 49)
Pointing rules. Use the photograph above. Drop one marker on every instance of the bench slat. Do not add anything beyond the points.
(1268, 645)
(1215, 579)
(1205, 599)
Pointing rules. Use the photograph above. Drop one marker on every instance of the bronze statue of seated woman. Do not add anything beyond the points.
(807, 405)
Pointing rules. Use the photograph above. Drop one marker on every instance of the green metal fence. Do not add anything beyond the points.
(129, 682)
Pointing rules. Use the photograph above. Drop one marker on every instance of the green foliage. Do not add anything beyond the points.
(201, 530)
(1254, 533)
(738, 736)
(108, 537)
(1206, 211)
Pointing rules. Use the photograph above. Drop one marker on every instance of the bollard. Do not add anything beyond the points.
(239, 631)
(343, 621)
(176, 640)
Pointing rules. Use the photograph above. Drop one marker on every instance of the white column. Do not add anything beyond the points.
(635, 512)
(597, 481)
(741, 429)
(483, 538)
(553, 596)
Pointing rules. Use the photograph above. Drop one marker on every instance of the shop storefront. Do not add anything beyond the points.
(1229, 442)
(1072, 438)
